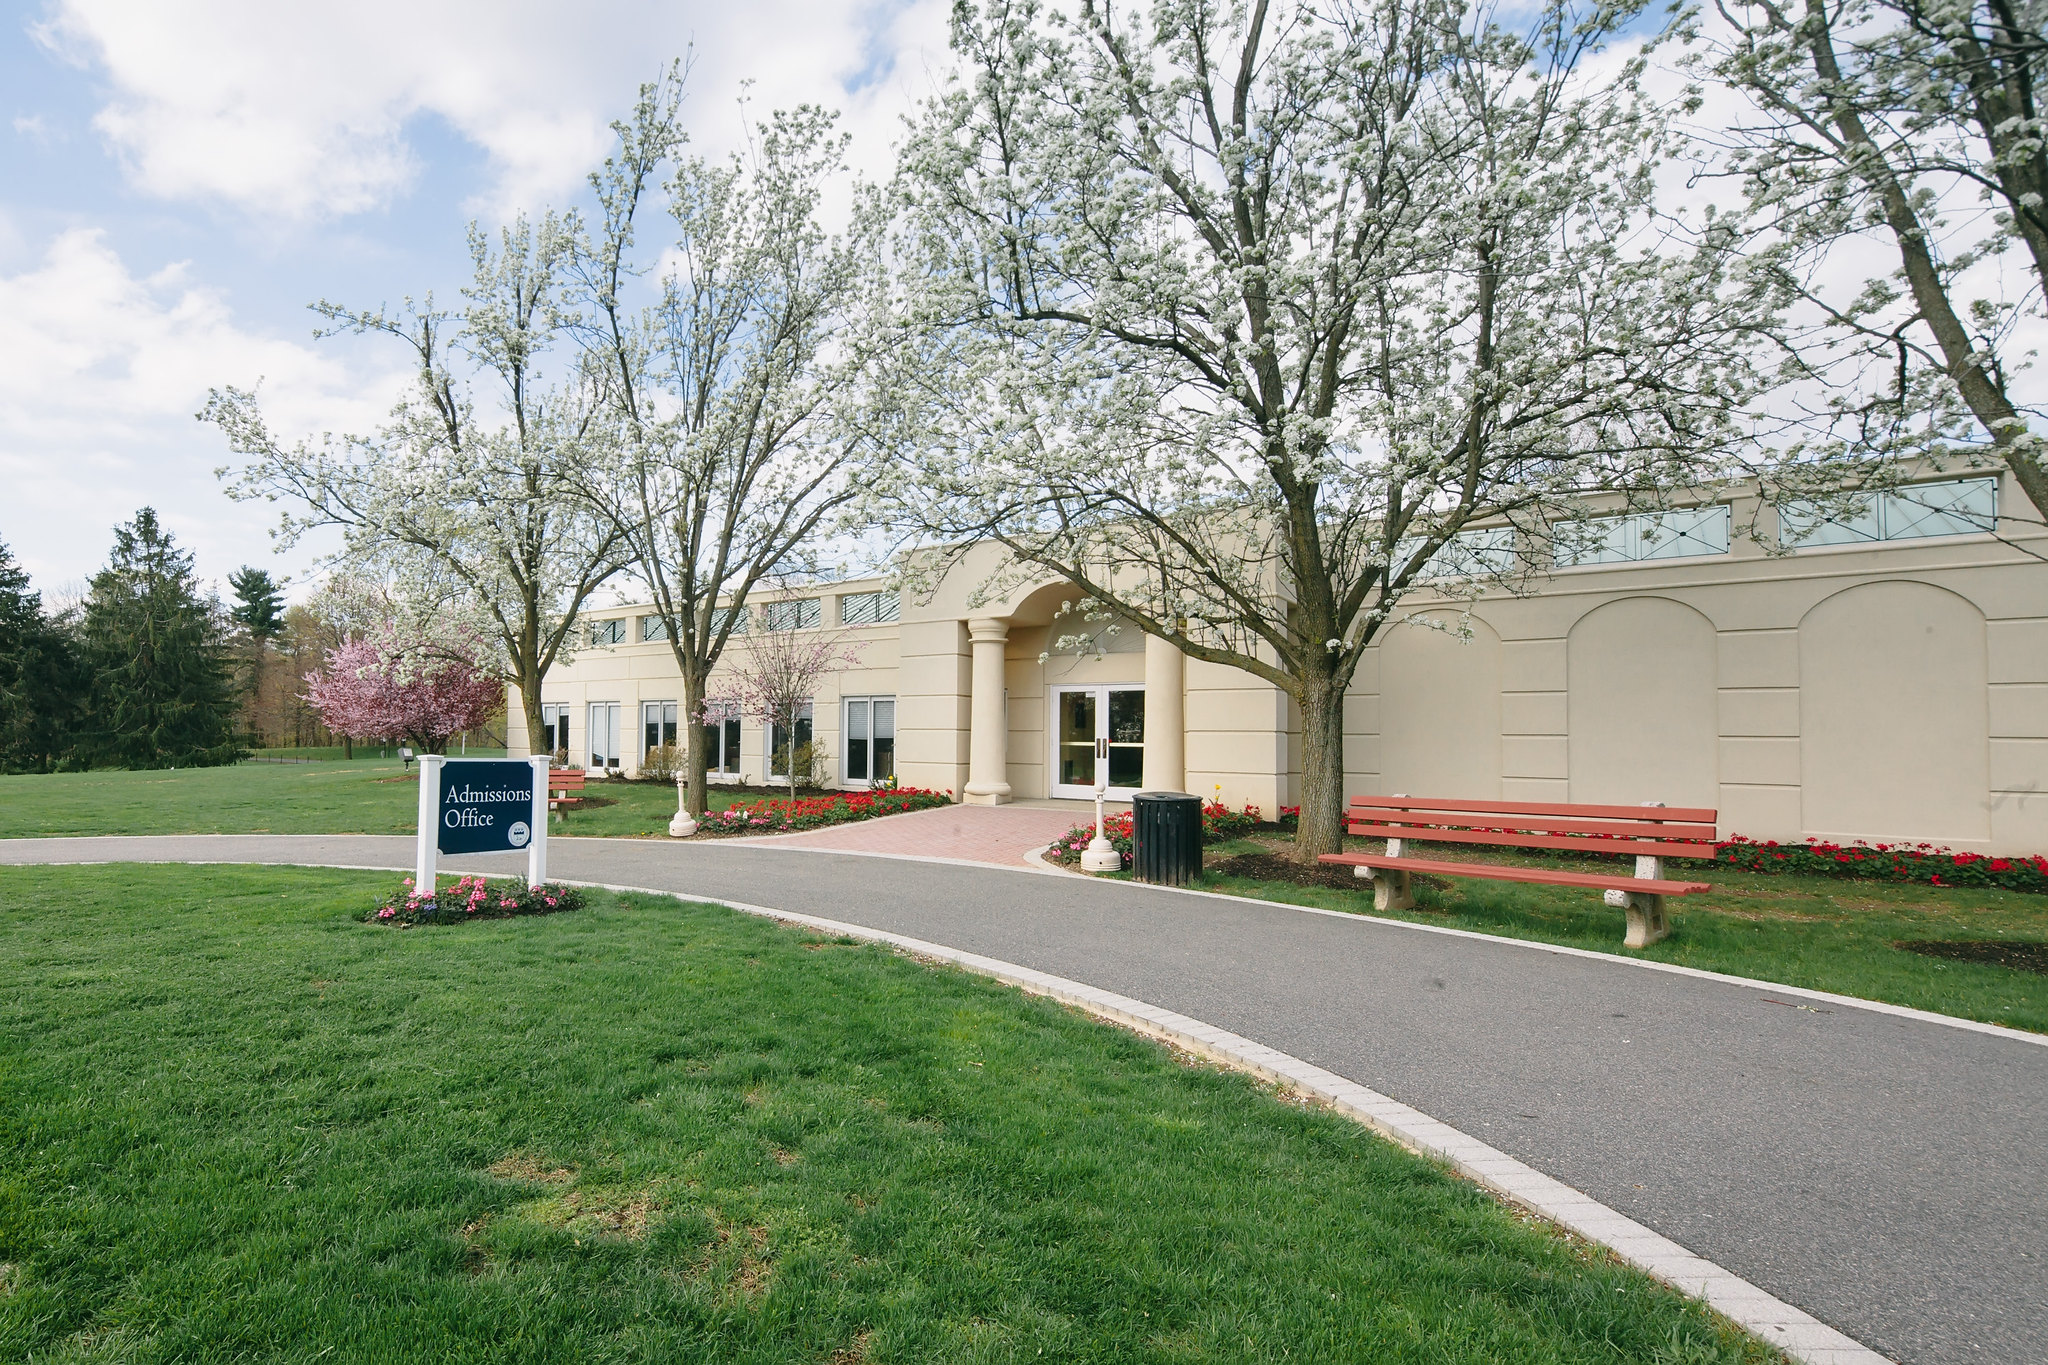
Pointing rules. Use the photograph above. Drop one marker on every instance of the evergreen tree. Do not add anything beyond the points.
(258, 614)
(161, 692)
(259, 603)
(38, 677)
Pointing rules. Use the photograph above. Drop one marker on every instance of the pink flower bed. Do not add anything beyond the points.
(469, 898)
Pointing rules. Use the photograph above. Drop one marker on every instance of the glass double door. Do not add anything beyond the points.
(1098, 740)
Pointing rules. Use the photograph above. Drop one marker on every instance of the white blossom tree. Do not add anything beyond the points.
(772, 675)
(470, 505)
(1906, 135)
(725, 389)
(1246, 318)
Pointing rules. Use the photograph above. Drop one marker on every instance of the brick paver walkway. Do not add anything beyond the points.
(1001, 835)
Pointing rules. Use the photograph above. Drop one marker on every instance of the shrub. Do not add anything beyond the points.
(471, 898)
(662, 764)
(782, 815)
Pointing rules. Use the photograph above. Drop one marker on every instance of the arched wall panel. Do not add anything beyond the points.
(1642, 708)
(1893, 715)
(1439, 711)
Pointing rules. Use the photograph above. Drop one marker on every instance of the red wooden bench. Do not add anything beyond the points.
(563, 784)
(1651, 832)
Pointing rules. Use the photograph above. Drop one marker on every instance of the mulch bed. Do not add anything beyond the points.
(2021, 955)
(1271, 867)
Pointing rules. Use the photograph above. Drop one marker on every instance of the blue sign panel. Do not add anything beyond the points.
(486, 806)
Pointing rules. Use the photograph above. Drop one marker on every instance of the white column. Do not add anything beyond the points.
(1166, 737)
(988, 739)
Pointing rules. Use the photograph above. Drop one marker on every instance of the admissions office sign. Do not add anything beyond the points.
(483, 805)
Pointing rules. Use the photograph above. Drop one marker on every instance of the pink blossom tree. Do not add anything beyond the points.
(774, 674)
(401, 687)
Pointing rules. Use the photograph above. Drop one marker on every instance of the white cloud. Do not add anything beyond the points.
(100, 373)
(304, 111)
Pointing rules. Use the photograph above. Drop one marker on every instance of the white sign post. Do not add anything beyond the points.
(473, 817)
(537, 851)
(430, 823)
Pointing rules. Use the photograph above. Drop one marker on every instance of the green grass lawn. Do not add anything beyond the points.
(366, 796)
(240, 1125)
(1804, 931)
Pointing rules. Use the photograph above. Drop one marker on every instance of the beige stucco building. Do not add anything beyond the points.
(1887, 680)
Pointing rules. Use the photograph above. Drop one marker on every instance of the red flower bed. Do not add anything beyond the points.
(1923, 863)
(781, 815)
(1218, 822)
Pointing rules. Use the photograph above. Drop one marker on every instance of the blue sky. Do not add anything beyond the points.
(177, 183)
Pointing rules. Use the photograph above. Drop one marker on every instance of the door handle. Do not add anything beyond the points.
(1102, 748)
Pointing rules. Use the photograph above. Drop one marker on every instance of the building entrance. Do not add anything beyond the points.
(1098, 739)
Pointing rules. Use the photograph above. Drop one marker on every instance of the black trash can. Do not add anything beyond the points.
(1166, 834)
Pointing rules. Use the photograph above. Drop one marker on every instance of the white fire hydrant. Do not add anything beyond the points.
(1100, 855)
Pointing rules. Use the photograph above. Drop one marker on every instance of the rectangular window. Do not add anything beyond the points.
(870, 739)
(721, 740)
(604, 734)
(805, 613)
(1955, 507)
(554, 732)
(723, 614)
(869, 608)
(653, 628)
(612, 632)
(1485, 552)
(1683, 533)
(783, 745)
(658, 726)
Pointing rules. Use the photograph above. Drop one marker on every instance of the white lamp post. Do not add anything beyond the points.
(1100, 855)
(682, 827)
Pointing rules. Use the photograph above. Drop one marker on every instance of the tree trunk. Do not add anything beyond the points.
(529, 706)
(696, 763)
(1322, 771)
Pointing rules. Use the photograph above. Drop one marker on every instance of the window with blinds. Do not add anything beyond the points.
(869, 608)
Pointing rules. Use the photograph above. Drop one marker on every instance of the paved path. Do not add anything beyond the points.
(978, 834)
(1882, 1173)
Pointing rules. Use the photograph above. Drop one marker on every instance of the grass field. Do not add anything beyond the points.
(241, 1125)
(1803, 931)
(366, 796)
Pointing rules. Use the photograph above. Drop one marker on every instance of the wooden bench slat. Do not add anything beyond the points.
(1542, 824)
(1540, 875)
(1689, 815)
(1653, 848)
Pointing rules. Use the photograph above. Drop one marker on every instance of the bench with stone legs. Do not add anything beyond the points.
(1650, 832)
(564, 786)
